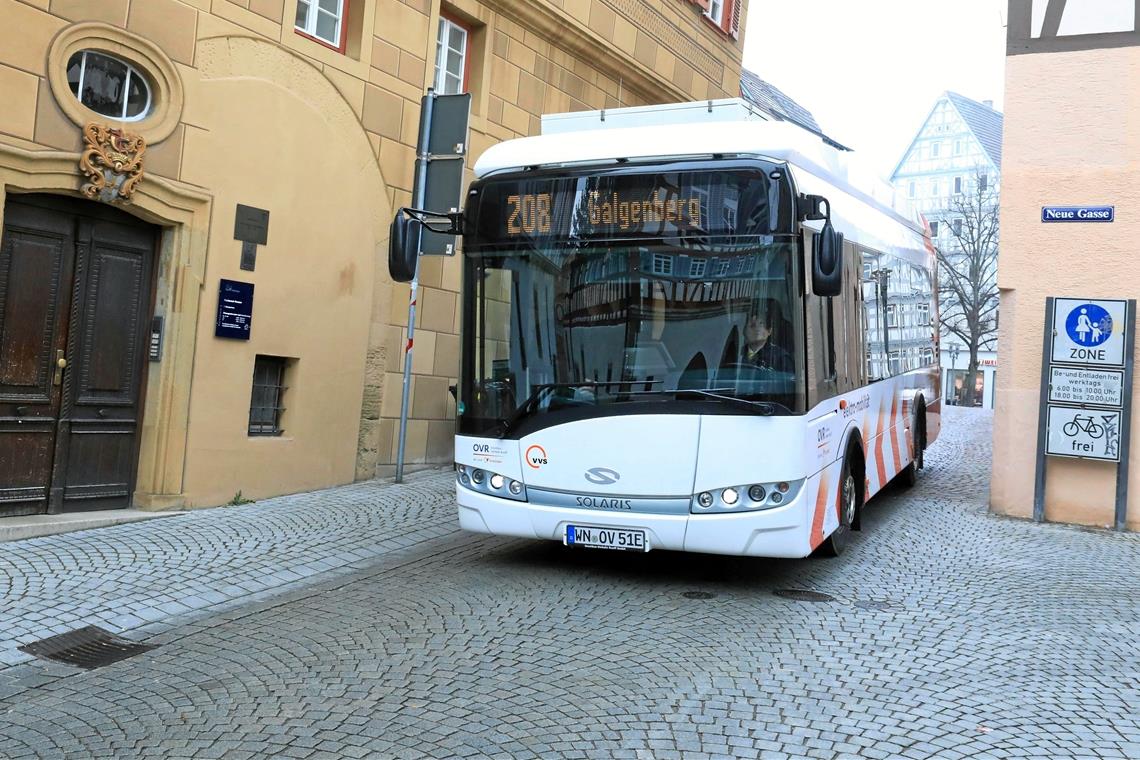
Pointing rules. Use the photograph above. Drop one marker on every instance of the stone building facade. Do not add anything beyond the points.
(1070, 134)
(194, 301)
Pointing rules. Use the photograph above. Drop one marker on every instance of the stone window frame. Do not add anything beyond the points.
(446, 21)
(309, 31)
(166, 93)
(1020, 40)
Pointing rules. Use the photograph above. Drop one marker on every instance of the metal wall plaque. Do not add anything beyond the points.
(235, 310)
(248, 255)
(251, 225)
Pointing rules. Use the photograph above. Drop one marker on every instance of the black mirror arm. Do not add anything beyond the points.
(434, 219)
(810, 205)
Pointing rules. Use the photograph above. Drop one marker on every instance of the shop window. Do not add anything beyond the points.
(323, 21)
(108, 86)
(452, 62)
(267, 402)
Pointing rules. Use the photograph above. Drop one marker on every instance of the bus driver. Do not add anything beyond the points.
(759, 348)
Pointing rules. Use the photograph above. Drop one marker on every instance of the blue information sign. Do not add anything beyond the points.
(1078, 213)
(235, 310)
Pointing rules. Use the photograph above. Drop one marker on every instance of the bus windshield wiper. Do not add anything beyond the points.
(529, 406)
(765, 408)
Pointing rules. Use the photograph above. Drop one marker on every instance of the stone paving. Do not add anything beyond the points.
(953, 634)
(142, 575)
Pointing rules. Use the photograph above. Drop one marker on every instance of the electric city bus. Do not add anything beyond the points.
(688, 328)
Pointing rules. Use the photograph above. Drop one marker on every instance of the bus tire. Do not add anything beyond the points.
(909, 476)
(834, 544)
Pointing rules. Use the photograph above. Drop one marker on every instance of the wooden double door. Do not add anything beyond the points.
(76, 295)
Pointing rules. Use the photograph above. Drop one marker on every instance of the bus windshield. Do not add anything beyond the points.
(666, 290)
(583, 329)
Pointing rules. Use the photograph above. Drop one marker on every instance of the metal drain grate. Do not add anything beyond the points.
(803, 595)
(698, 595)
(88, 647)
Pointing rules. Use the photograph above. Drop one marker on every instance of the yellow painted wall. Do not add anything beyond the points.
(1071, 138)
(324, 140)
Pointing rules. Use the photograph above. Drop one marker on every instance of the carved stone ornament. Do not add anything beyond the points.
(112, 163)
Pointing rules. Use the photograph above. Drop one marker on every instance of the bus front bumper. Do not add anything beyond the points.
(777, 532)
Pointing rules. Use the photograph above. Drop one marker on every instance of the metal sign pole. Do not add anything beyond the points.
(1126, 416)
(419, 193)
(1042, 413)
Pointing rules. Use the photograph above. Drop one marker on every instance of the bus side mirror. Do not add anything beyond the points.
(402, 245)
(827, 262)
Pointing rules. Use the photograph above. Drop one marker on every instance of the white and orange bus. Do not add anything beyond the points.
(688, 328)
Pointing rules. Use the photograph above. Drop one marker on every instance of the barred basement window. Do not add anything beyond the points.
(266, 404)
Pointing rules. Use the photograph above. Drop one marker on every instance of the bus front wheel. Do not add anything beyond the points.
(834, 544)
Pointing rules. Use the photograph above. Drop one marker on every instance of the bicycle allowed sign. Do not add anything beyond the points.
(1084, 433)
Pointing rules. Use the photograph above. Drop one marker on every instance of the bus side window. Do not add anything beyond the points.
(874, 315)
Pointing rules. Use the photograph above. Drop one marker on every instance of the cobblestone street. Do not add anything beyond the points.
(359, 622)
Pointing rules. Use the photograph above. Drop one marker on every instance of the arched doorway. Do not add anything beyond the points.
(76, 298)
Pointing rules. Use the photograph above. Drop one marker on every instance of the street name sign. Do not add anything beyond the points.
(1076, 385)
(1089, 332)
(1084, 433)
(1078, 213)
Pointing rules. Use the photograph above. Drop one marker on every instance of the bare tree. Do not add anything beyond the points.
(968, 293)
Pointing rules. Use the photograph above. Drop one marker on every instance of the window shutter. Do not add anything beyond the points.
(732, 18)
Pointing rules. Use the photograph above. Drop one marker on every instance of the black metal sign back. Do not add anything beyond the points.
(446, 149)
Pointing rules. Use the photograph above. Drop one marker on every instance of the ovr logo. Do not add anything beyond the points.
(1088, 325)
(536, 457)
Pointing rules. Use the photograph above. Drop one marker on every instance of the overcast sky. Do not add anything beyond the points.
(870, 70)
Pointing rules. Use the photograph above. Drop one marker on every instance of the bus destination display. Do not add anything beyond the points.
(624, 207)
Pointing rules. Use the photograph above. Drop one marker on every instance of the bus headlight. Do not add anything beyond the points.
(490, 483)
(760, 496)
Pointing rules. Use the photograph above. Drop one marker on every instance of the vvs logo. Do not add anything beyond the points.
(536, 457)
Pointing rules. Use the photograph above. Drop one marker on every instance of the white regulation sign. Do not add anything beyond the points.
(1077, 385)
(1087, 331)
(1084, 433)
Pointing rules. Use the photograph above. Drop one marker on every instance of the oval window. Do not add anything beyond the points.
(108, 86)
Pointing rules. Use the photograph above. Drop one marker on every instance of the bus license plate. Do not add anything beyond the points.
(594, 537)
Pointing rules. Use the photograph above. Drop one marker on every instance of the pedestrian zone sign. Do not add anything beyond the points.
(1088, 332)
